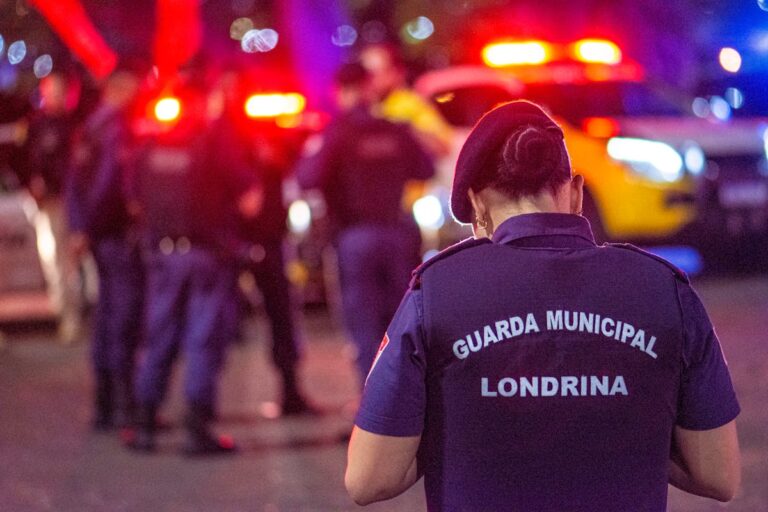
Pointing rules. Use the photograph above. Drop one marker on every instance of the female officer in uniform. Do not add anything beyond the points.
(531, 369)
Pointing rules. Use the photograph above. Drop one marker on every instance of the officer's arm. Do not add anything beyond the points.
(320, 157)
(380, 467)
(706, 462)
(107, 185)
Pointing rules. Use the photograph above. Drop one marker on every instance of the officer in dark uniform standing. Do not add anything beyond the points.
(265, 234)
(268, 157)
(97, 201)
(362, 167)
(191, 194)
(534, 370)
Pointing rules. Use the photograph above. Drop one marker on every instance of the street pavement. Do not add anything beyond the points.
(51, 461)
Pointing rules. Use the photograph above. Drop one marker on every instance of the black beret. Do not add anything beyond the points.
(485, 141)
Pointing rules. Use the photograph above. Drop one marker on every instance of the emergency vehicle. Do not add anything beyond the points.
(653, 170)
(23, 286)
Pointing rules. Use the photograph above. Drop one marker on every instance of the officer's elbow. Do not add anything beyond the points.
(362, 491)
(725, 489)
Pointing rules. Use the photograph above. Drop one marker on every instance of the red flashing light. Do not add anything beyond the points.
(596, 51)
(268, 105)
(515, 53)
(167, 109)
(600, 127)
(535, 52)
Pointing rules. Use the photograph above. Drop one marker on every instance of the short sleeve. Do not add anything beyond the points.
(707, 399)
(394, 397)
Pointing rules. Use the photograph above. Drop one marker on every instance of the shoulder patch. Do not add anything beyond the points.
(445, 253)
(675, 270)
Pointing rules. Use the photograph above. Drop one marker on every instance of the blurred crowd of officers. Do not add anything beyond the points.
(171, 218)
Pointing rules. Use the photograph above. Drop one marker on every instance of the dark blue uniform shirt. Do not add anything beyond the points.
(189, 187)
(544, 372)
(97, 190)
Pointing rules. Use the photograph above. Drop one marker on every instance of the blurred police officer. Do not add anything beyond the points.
(396, 101)
(267, 156)
(97, 201)
(190, 194)
(362, 167)
(48, 149)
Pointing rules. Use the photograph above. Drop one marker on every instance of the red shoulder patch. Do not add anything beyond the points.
(382, 346)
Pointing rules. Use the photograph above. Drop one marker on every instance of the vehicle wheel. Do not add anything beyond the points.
(592, 214)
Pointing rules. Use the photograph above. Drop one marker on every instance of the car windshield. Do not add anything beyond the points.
(465, 106)
(575, 102)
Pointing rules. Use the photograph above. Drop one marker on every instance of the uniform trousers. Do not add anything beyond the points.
(270, 277)
(117, 328)
(189, 308)
(375, 262)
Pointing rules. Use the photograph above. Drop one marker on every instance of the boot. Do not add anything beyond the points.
(200, 440)
(102, 421)
(142, 438)
(123, 406)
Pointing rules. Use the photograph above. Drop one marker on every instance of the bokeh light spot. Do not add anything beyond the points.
(299, 216)
(17, 51)
(2, 45)
(428, 212)
(720, 108)
(730, 60)
(734, 97)
(43, 66)
(694, 159)
(763, 4)
(239, 28)
(420, 28)
(700, 107)
(345, 35)
(259, 40)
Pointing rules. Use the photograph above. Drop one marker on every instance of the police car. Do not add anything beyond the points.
(652, 169)
(23, 288)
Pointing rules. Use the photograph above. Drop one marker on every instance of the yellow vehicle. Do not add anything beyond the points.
(640, 187)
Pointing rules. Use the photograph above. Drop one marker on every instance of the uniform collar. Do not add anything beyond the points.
(531, 225)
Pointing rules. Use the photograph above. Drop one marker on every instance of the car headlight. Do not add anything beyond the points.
(765, 142)
(654, 160)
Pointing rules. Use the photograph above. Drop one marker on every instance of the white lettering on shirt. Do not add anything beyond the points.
(548, 386)
(556, 320)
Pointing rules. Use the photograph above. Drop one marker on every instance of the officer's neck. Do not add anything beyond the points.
(500, 208)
